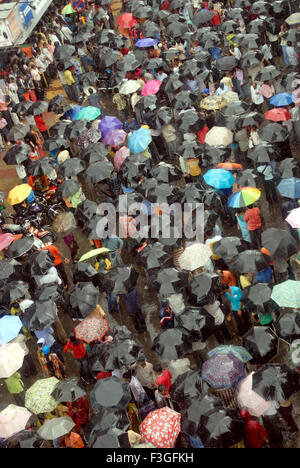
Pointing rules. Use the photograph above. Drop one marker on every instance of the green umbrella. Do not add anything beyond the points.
(56, 427)
(93, 253)
(38, 397)
(89, 113)
(287, 294)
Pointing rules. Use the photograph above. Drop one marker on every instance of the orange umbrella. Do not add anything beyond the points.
(229, 166)
(278, 115)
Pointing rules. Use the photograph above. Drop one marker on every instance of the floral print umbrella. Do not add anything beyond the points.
(92, 135)
(161, 427)
(223, 371)
(38, 397)
(91, 329)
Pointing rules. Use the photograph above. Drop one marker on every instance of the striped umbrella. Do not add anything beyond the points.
(244, 197)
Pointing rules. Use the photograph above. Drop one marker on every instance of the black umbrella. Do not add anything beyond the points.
(38, 107)
(56, 102)
(86, 210)
(59, 129)
(154, 63)
(171, 84)
(202, 17)
(68, 390)
(41, 262)
(251, 118)
(106, 57)
(246, 178)
(174, 18)
(133, 169)
(287, 326)
(84, 272)
(183, 100)
(168, 235)
(235, 108)
(71, 167)
(257, 26)
(128, 63)
(68, 188)
(105, 37)
(27, 439)
(23, 107)
(147, 102)
(41, 167)
(203, 289)
(176, 29)
(268, 73)
(248, 41)
(275, 383)
(101, 13)
(251, 59)
(215, 155)
(264, 152)
(250, 261)
(81, 36)
(55, 143)
(104, 419)
(237, 13)
(98, 171)
(166, 173)
(156, 256)
(191, 194)
(168, 281)
(188, 386)
(91, 227)
(189, 121)
(88, 78)
(260, 8)
(120, 280)
(256, 299)
(110, 438)
(242, 3)
(111, 392)
(171, 344)
(286, 168)
(262, 344)
(142, 11)
(20, 247)
(189, 149)
(131, 199)
(75, 129)
(229, 247)
(221, 428)
(279, 243)
(8, 269)
(115, 355)
(196, 323)
(64, 52)
(190, 68)
(17, 154)
(84, 297)
(47, 292)
(159, 193)
(229, 26)
(18, 132)
(40, 315)
(227, 63)
(210, 218)
(14, 291)
(196, 407)
(149, 29)
(68, 63)
(95, 152)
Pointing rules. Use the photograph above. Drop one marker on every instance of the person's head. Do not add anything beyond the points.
(162, 389)
(127, 376)
(289, 43)
(157, 369)
(73, 338)
(245, 415)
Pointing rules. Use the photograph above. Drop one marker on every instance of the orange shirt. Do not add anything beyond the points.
(266, 252)
(55, 252)
(228, 278)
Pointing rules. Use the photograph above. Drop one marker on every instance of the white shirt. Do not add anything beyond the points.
(215, 311)
(50, 278)
(136, 388)
(237, 53)
(256, 97)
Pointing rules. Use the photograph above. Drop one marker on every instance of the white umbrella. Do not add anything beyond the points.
(55, 427)
(219, 136)
(249, 399)
(13, 419)
(129, 87)
(11, 359)
(195, 256)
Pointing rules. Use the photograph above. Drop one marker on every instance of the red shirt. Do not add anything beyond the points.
(165, 6)
(201, 134)
(165, 380)
(124, 51)
(103, 375)
(217, 18)
(82, 407)
(255, 434)
(40, 123)
(78, 349)
(252, 218)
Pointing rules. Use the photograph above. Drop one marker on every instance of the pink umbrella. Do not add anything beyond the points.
(161, 427)
(91, 329)
(250, 400)
(6, 240)
(294, 218)
(151, 87)
(120, 157)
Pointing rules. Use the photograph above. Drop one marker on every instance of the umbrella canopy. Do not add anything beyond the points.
(244, 197)
(279, 243)
(6, 240)
(95, 152)
(115, 137)
(41, 167)
(13, 419)
(289, 188)
(127, 20)
(38, 107)
(146, 42)
(171, 344)
(68, 188)
(17, 154)
(59, 129)
(163, 116)
(14, 290)
(238, 351)
(84, 297)
(119, 280)
(262, 344)
(86, 210)
(74, 129)
(219, 136)
(88, 113)
(24, 439)
(274, 382)
(18, 132)
(161, 427)
(286, 168)
(91, 329)
(219, 178)
(93, 253)
(235, 108)
(11, 359)
(202, 289)
(133, 169)
(90, 135)
(213, 102)
(273, 133)
(287, 326)
(110, 438)
(195, 256)
(129, 87)
(20, 247)
(223, 371)
(56, 102)
(84, 272)
(264, 152)
(188, 386)
(10, 326)
(38, 397)
(55, 428)
(98, 171)
(256, 299)
(196, 323)
(116, 355)
(282, 99)
(156, 255)
(226, 63)
(168, 281)
(182, 100)
(250, 261)
(9, 269)
(195, 409)
(228, 247)
(294, 218)
(151, 87)
(246, 178)
(120, 157)
(221, 428)
(293, 19)
(251, 400)
(40, 315)
(40, 262)
(166, 173)
(109, 123)
(18, 194)
(139, 140)
(287, 294)
(106, 418)
(64, 223)
(111, 392)
(230, 166)
(278, 115)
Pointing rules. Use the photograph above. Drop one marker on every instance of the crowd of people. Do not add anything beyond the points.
(167, 102)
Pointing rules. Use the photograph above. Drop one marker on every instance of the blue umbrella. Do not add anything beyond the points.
(282, 99)
(109, 123)
(89, 113)
(139, 140)
(10, 326)
(289, 188)
(238, 351)
(147, 42)
(219, 178)
(73, 112)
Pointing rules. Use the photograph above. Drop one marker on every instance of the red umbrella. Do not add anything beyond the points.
(91, 329)
(277, 115)
(127, 21)
(161, 428)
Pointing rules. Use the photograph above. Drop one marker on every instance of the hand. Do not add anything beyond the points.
(67, 261)
(229, 318)
(240, 313)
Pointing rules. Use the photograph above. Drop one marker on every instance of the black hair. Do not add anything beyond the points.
(127, 375)
(161, 388)
(157, 368)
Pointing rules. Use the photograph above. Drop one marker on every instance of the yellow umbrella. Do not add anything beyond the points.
(93, 253)
(213, 102)
(230, 96)
(68, 10)
(18, 194)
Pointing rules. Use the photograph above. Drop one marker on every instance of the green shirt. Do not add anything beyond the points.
(265, 319)
(14, 383)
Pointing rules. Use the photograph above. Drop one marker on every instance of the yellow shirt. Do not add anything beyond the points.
(244, 281)
(68, 77)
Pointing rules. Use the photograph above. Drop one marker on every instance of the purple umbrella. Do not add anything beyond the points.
(147, 42)
(109, 123)
(115, 137)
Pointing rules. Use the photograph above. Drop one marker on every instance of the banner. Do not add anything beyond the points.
(26, 13)
(27, 49)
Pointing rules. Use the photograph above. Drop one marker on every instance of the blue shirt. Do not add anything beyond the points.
(264, 276)
(113, 243)
(235, 298)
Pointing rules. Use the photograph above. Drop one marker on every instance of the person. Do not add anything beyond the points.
(41, 125)
(162, 377)
(267, 90)
(266, 170)
(59, 258)
(286, 412)
(45, 337)
(271, 423)
(79, 352)
(135, 386)
(220, 330)
(283, 43)
(161, 75)
(145, 374)
(162, 397)
(292, 55)
(121, 104)
(133, 308)
(84, 57)
(71, 86)
(51, 365)
(166, 315)
(3, 129)
(242, 225)
(254, 225)
(71, 440)
(255, 435)
(256, 97)
(234, 294)
(78, 411)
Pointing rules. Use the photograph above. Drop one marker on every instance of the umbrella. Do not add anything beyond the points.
(88, 79)
(88, 136)
(196, 323)
(18, 194)
(13, 419)
(215, 155)
(251, 400)
(20, 247)
(40, 262)
(14, 291)
(86, 210)
(84, 297)
(168, 281)
(95, 152)
(260, 8)
(162, 193)
(278, 115)
(18, 132)
(230, 166)
(151, 87)
(88, 113)
(55, 428)
(256, 299)
(221, 428)
(110, 438)
(68, 188)
(84, 272)
(40, 315)
(219, 179)
(257, 26)
(163, 116)
(223, 371)
(237, 351)
(268, 73)
(294, 218)
(6, 240)
(150, 29)
(127, 21)
(176, 29)
(91, 329)
(195, 409)
(202, 289)
(262, 344)
(93, 253)
(286, 168)
(38, 397)
(116, 355)
(109, 123)
(244, 197)
(11, 359)
(293, 19)
(282, 99)
(250, 261)
(105, 419)
(161, 427)
(41, 167)
(133, 169)
(289, 188)
(189, 149)
(120, 157)
(235, 108)
(248, 41)
(98, 171)
(141, 11)
(228, 247)
(62, 53)
(171, 84)
(115, 137)
(195, 256)
(277, 382)
(71, 167)
(9, 328)
(74, 129)
(47, 292)
(213, 103)
(56, 102)
(8, 269)
(23, 107)
(246, 178)
(171, 344)
(251, 58)
(182, 100)
(188, 386)
(129, 87)
(111, 392)
(219, 136)
(119, 280)
(156, 256)
(24, 439)
(189, 121)
(59, 129)
(39, 107)
(202, 17)
(64, 223)
(287, 294)
(227, 63)
(128, 63)
(287, 326)
(251, 118)
(139, 140)
(191, 194)
(17, 154)
(264, 152)
(68, 10)
(279, 243)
